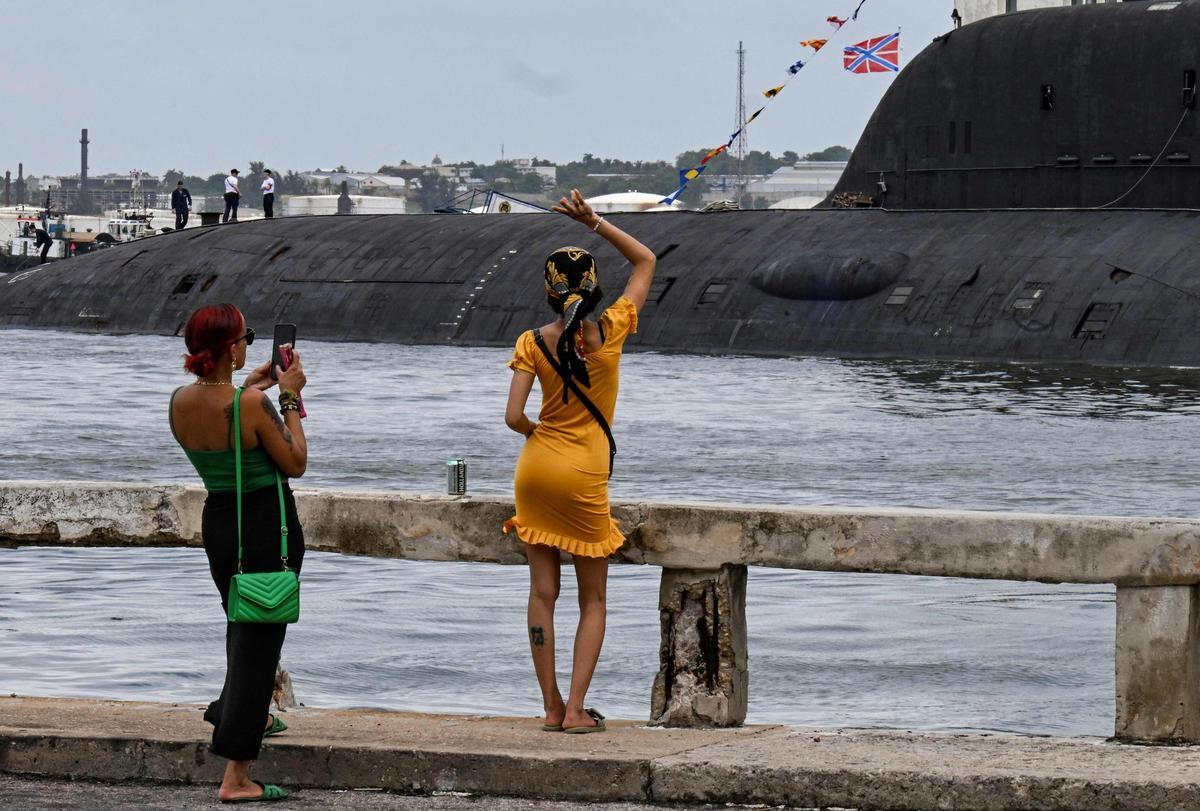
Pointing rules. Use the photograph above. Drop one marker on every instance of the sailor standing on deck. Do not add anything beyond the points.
(181, 204)
(232, 196)
(268, 193)
(42, 240)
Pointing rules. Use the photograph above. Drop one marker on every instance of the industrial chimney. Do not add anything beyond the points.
(19, 186)
(84, 206)
(7, 188)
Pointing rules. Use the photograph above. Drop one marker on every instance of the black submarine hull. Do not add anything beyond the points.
(1033, 183)
(1113, 287)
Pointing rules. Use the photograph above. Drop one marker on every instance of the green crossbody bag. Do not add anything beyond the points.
(261, 596)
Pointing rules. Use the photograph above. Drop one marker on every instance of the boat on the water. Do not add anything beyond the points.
(1025, 191)
(71, 235)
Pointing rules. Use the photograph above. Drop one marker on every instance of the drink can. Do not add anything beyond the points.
(456, 477)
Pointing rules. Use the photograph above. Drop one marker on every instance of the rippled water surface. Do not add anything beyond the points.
(825, 648)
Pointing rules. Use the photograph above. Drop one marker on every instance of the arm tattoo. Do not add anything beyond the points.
(537, 636)
(278, 420)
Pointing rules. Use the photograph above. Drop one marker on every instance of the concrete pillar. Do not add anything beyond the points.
(284, 695)
(702, 673)
(1158, 697)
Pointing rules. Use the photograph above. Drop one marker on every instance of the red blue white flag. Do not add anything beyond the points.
(875, 55)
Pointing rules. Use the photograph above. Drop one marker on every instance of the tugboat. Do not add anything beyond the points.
(126, 224)
(21, 250)
(1025, 191)
(133, 221)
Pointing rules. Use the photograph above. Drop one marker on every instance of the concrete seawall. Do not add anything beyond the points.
(704, 551)
(940, 543)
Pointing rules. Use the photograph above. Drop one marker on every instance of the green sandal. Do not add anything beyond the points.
(595, 716)
(552, 728)
(276, 727)
(269, 793)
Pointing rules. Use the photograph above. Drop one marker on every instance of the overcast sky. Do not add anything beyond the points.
(204, 85)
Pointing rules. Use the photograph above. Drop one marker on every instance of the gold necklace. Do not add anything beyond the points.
(218, 383)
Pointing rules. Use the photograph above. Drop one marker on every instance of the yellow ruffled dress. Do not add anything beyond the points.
(561, 480)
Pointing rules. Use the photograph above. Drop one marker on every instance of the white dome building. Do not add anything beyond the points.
(630, 201)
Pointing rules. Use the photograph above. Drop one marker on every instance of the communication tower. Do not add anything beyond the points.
(739, 144)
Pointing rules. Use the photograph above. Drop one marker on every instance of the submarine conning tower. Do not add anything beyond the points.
(1050, 108)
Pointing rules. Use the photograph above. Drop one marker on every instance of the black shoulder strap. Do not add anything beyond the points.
(583, 398)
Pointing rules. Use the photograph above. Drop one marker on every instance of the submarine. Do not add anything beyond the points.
(1028, 190)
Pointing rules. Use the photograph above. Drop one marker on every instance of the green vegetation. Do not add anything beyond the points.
(756, 162)
(435, 191)
(830, 153)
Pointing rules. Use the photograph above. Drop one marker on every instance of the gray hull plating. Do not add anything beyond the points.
(1038, 199)
(1110, 287)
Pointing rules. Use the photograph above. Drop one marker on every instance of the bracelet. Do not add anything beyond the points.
(289, 401)
(599, 223)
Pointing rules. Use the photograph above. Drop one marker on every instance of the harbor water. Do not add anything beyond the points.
(826, 649)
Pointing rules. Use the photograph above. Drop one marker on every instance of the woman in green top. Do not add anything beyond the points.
(201, 418)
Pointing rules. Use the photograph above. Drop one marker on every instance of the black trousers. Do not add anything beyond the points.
(269, 205)
(239, 716)
(231, 203)
(45, 250)
(181, 218)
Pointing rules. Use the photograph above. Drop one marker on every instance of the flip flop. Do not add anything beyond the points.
(269, 793)
(552, 727)
(276, 727)
(595, 716)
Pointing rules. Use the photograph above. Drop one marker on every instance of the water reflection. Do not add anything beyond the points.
(770, 430)
(924, 389)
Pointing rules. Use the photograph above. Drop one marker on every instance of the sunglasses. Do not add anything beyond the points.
(248, 337)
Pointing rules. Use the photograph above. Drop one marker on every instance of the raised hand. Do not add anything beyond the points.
(260, 378)
(577, 209)
(293, 379)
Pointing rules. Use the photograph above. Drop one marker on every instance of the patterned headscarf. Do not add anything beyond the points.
(571, 278)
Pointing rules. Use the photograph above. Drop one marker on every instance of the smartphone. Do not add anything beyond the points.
(284, 334)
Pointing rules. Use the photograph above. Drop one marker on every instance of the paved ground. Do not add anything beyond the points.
(22, 794)
(410, 753)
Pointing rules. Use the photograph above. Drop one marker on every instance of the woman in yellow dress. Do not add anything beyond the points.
(561, 479)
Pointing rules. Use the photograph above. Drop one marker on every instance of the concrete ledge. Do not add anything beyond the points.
(511, 756)
(407, 752)
(1008, 546)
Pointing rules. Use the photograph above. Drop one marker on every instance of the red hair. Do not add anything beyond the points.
(209, 333)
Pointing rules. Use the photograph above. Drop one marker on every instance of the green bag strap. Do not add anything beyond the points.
(237, 465)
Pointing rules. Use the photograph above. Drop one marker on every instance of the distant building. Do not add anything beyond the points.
(526, 166)
(106, 191)
(385, 185)
(801, 185)
(972, 10)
